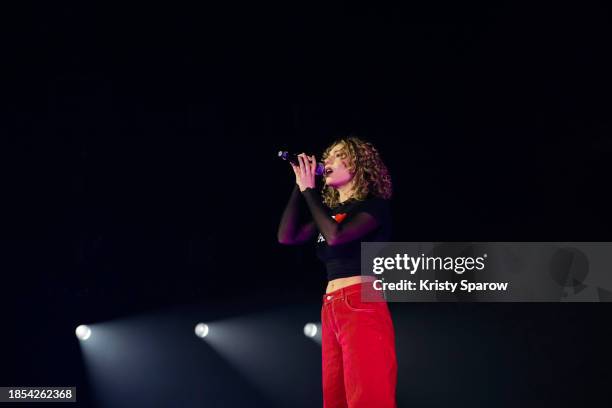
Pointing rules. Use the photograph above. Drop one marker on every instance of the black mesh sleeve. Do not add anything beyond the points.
(290, 230)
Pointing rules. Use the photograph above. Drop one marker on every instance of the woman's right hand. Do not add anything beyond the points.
(305, 172)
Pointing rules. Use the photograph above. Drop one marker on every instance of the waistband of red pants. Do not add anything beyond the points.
(364, 288)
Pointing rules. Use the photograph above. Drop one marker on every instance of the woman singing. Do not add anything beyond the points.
(358, 339)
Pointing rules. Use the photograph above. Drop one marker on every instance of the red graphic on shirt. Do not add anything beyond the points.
(339, 217)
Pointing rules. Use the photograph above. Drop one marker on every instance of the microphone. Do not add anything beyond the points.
(293, 158)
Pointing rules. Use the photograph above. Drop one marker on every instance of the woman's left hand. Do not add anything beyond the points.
(305, 172)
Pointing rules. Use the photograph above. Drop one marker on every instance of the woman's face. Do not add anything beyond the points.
(336, 167)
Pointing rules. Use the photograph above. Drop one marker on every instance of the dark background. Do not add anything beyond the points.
(141, 171)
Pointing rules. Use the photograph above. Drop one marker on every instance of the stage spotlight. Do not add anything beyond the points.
(201, 330)
(310, 330)
(83, 332)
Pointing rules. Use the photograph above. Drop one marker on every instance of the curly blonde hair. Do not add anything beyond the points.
(370, 175)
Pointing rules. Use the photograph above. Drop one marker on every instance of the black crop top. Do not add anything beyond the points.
(343, 228)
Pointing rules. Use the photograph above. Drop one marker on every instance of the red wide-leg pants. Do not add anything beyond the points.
(358, 344)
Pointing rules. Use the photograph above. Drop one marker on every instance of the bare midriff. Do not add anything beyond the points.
(344, 282)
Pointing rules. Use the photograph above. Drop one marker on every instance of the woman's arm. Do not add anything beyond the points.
(337, 233)
(290, 232)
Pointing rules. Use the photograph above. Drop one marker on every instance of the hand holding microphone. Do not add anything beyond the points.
(305, 170)
(293, 158)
